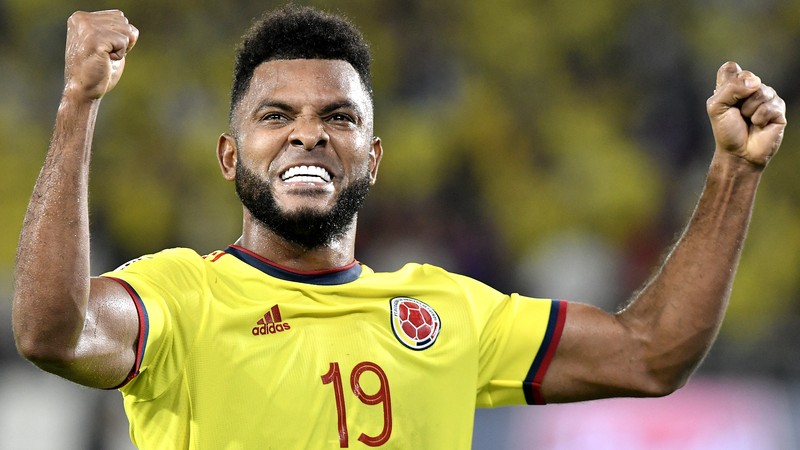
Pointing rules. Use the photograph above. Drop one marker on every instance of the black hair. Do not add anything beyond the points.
(295, 32)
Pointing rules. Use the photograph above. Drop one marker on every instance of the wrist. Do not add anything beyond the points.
(74, 125)
(75, 95)
(76, 105)
(727, 167)
(734, 164)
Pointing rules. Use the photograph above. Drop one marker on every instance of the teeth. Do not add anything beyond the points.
(306, 174)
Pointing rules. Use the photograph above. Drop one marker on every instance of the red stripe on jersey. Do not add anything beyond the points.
(144, 329)
(532, 385)
(217, 255)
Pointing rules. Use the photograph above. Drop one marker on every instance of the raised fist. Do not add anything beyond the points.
(97, 43)
(747, 116)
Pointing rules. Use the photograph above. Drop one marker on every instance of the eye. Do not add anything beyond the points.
(341, 117)
(274, 117)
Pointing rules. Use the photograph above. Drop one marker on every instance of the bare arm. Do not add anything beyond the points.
(653, 345)
(64, 321)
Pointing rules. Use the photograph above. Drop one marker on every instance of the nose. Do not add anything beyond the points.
(308, 133)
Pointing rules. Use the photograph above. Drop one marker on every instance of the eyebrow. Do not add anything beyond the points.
(273, 104)
(344, 104)
(327, 109)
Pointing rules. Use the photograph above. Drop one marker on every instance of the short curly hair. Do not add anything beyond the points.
(296, 32)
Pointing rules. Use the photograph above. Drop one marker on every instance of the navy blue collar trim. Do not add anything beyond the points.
(340, 275)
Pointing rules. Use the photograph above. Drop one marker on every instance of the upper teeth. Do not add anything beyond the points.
(313, 172)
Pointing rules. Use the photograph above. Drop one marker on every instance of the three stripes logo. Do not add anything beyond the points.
(271, 323)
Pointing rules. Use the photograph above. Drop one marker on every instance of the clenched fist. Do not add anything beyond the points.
(97, 43)
(747, 116)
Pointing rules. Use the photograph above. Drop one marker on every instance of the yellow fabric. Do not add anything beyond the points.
(210, 378)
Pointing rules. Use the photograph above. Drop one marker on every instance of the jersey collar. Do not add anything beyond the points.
(339, 275)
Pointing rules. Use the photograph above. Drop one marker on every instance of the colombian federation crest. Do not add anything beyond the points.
(415, 324)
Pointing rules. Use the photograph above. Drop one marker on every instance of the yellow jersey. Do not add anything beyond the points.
(236, 352)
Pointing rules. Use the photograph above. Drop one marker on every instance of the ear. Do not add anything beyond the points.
(227, 156)
(375, 155)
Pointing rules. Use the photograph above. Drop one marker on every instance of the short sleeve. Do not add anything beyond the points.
(167, 289)
(518, 337)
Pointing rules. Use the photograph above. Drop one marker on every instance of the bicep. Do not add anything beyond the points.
(106, 351)
(597, 357)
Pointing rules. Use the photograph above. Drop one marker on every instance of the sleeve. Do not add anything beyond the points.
(517, 338)
(167, 289)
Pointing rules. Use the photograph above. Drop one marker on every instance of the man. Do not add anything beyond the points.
(285, 340)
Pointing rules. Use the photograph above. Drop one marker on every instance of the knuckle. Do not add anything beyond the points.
(76, 17)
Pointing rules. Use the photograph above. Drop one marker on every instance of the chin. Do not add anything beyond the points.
(297, 209)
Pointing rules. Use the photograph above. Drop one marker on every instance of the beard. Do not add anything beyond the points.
(308, 228)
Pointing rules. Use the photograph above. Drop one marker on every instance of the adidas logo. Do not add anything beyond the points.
(271, 323)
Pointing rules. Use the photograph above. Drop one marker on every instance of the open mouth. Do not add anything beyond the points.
(306, 174)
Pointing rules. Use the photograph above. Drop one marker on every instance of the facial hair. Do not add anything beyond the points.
(307, 228)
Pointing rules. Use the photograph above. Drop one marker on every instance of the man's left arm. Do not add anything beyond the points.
(652, 346)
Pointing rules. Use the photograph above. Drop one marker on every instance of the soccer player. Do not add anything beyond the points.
(283, 339)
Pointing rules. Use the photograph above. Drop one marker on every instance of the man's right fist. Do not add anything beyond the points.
(97, 43)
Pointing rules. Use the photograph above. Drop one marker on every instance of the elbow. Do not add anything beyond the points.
(665, 367)
(661, 385)
(662, 375)
(40, 352)
(42, 345)
(657, 371)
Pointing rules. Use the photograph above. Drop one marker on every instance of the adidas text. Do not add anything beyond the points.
(270, 328)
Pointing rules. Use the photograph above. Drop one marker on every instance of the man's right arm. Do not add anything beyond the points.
(64, 321)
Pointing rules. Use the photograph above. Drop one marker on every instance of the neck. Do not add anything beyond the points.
(265, 243)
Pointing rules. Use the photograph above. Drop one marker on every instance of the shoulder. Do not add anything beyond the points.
(430, 276)
(166, 264)
(410, 271)
(176, 255)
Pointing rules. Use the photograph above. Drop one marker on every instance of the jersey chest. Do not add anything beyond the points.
(366, 362)
(304, 324)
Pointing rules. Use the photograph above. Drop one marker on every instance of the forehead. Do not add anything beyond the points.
(306, 81)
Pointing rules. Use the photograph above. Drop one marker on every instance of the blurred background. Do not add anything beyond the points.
(545, 147)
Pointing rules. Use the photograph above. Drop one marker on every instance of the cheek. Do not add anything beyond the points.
(358, 159)
(258, 150)
(355, 144)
